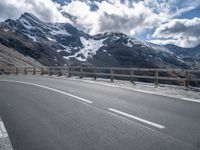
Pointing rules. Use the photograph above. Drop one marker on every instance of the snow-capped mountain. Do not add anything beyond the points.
(190, 56)
(59, 44)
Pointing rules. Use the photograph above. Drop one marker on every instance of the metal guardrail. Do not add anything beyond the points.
(183, 77)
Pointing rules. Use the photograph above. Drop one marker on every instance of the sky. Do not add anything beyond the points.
(157, 21)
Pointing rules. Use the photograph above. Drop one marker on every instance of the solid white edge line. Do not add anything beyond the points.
(5, 140)
(52, 89)
(3, 132)
(191, 99)
(137, 118)
(138, 90)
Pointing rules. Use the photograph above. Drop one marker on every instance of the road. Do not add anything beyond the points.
(45, 113)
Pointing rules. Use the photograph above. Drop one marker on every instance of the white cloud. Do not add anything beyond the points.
(85, 19)
(184, 32)
(163, 42)
(44, 9)
(129, 20)
(131, 17)
(113, 16)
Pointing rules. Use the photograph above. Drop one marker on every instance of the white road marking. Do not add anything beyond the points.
(191, 99)
(137, 118)
(52, 89)
(3, 132)
(5, 140)
(107, 84)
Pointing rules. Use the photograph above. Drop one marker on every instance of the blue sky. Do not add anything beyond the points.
(157, 21)
(191, 14)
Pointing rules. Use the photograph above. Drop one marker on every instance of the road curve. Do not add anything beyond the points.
(44, 113)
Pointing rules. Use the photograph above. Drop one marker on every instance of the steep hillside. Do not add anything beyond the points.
(38, 51)
(190, 56)
(12, 58)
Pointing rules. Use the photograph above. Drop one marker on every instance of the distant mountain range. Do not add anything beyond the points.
(62, 44)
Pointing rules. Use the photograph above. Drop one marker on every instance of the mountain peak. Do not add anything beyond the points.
(29, 16)
(26, 14)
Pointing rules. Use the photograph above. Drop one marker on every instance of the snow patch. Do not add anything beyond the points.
(158, 48)
(90, 47)
(60, 32)
(66, 57)
(115, 38)
(5, 30)
(66, 49)
(25, 23)
(32, 37)
(129, 44)
(50, 39)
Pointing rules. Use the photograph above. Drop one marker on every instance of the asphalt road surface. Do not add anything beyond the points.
(45, 113)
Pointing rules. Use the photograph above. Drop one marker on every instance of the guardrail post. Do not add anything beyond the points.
(16, 71)
(111, 75)
(95, 73)
(187, 81)
(50, 71)
(53, 71)
(42, 71)
(59, 71)
(132, 74)
(69, 72)
(156, 75)
(33, 70)
(81, 72)
(25, 71)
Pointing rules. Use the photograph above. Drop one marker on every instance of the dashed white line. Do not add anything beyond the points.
(137, 118)
(52, 89)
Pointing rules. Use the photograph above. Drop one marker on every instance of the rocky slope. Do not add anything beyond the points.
(12, 58)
